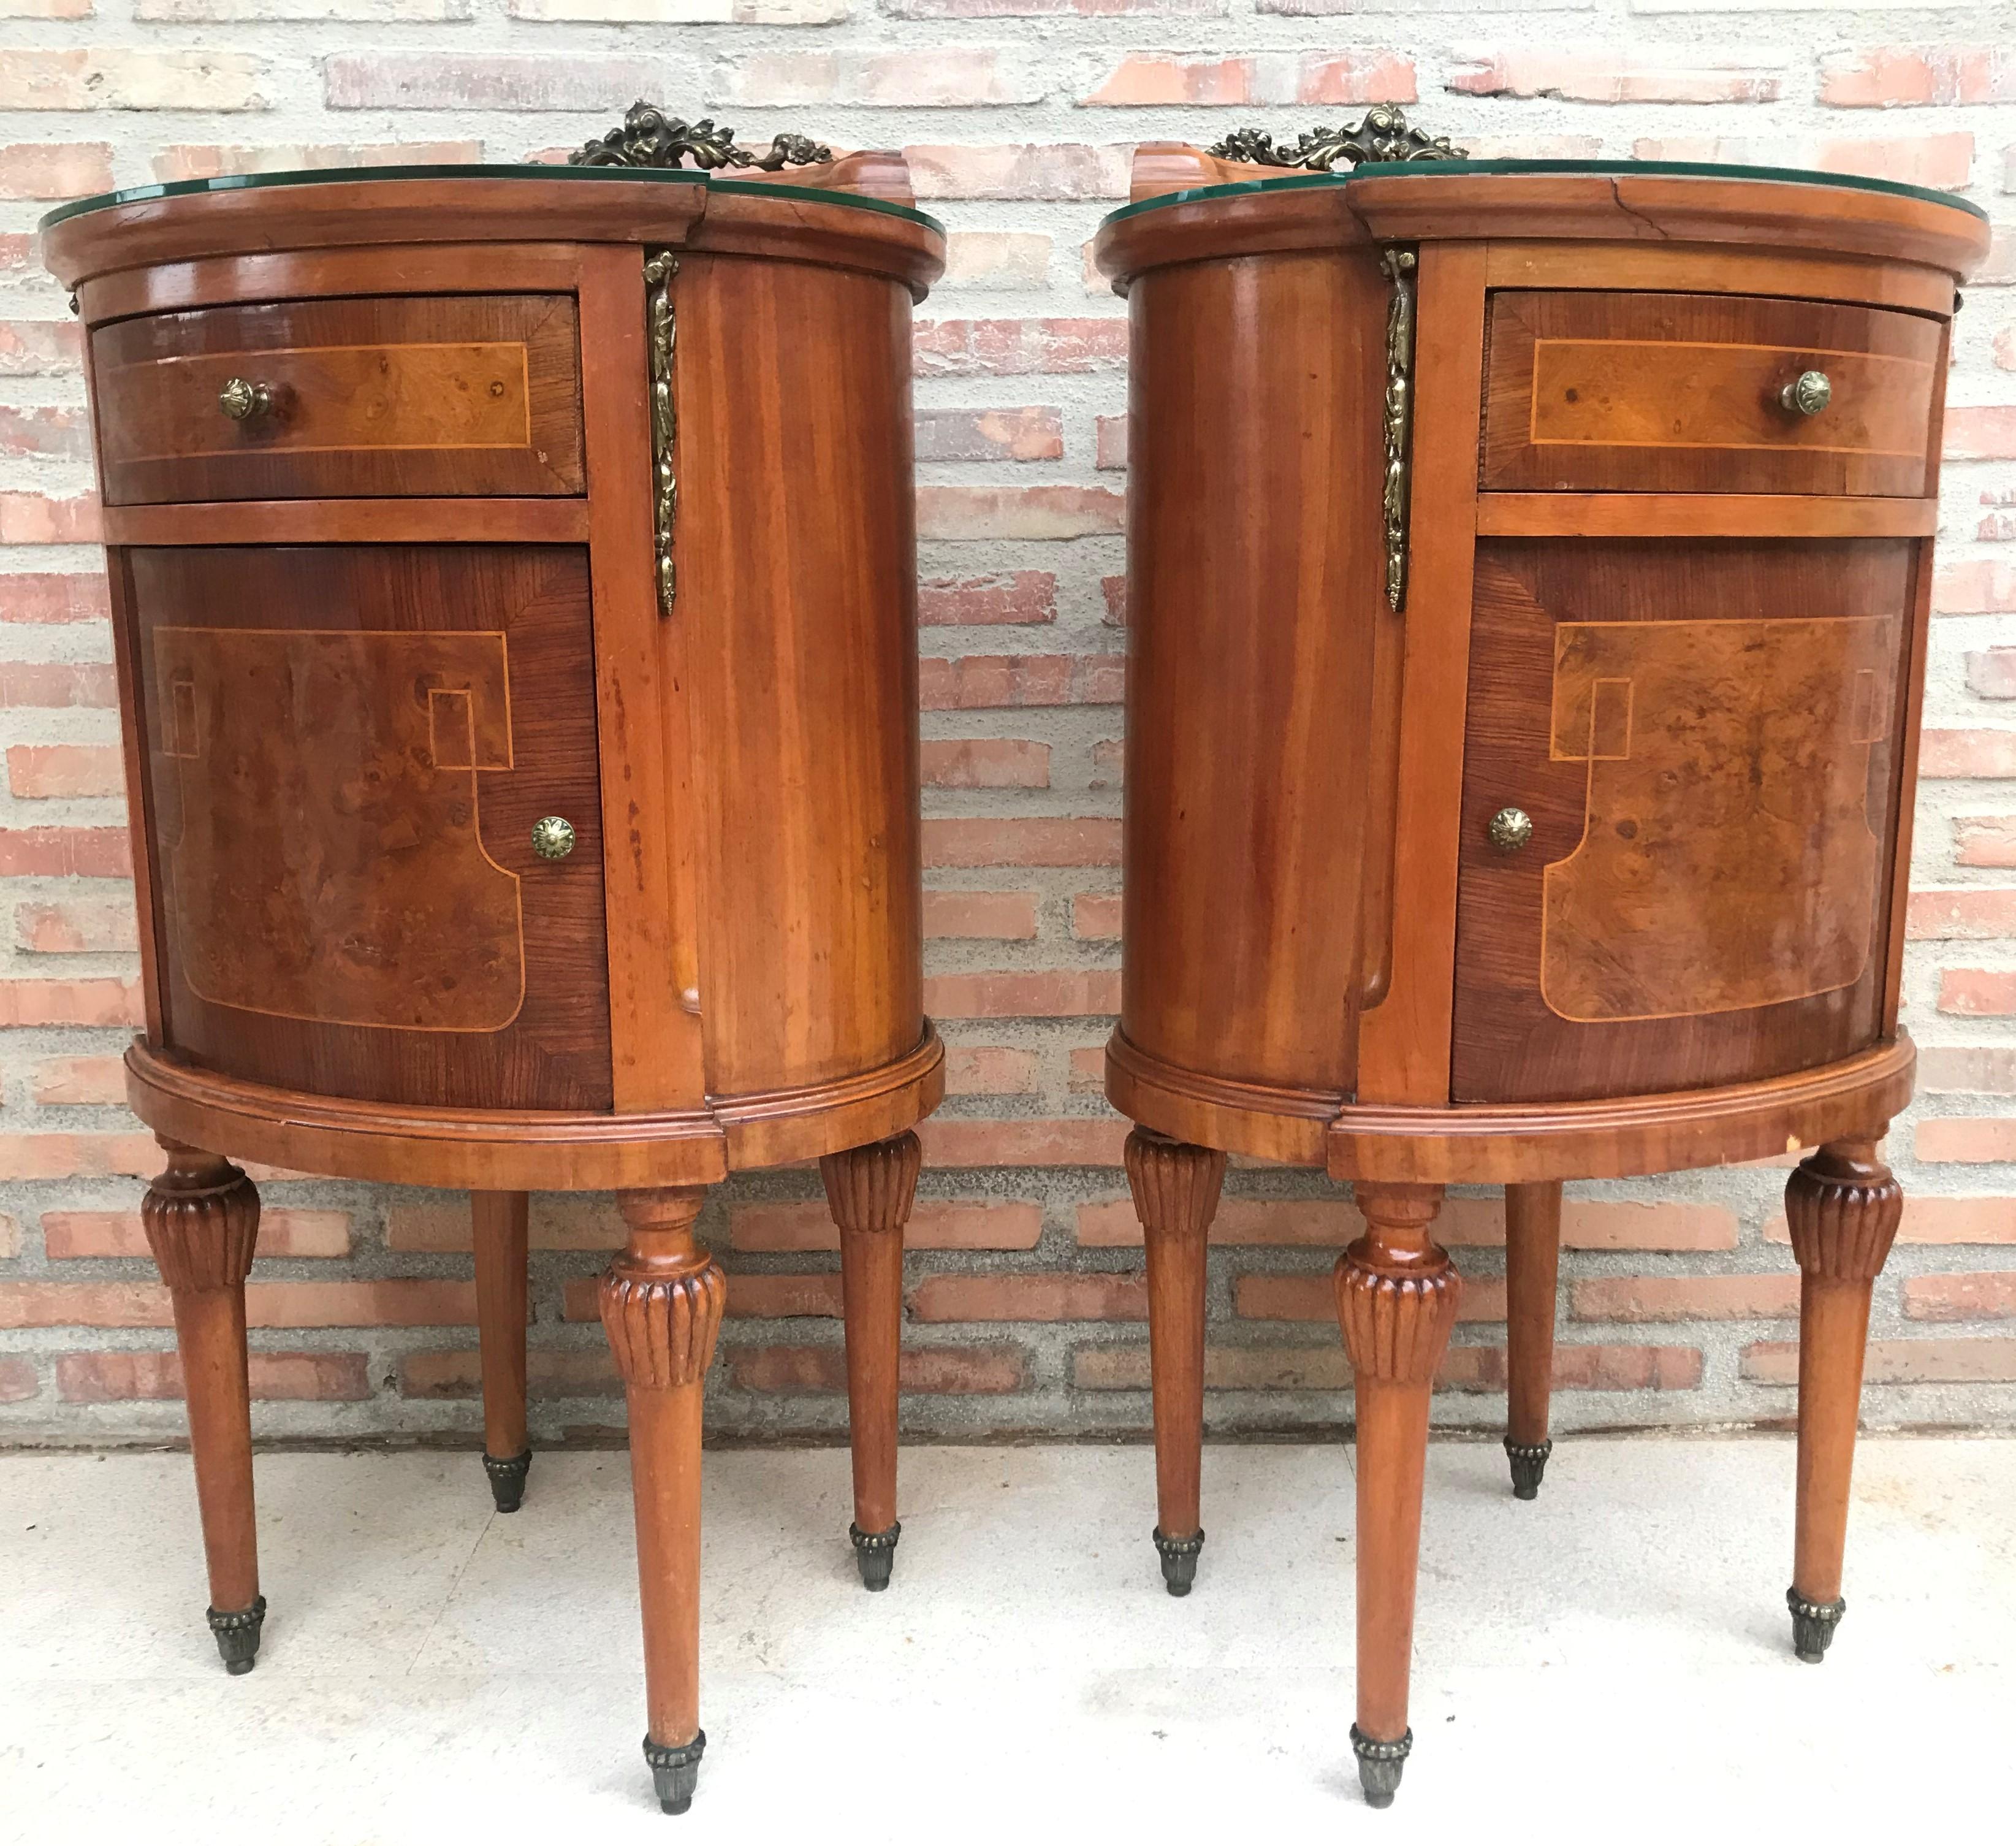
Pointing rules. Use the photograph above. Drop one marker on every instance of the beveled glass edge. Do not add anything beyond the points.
(231, 182)
(1621, 168)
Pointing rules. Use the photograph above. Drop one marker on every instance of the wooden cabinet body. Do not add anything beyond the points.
(1528, 574)
(513, 581)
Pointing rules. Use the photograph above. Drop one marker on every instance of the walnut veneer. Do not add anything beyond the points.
(1527, 652)
(513, 588)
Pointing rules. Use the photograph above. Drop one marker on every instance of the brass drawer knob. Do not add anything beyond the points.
(552, 837)
(1809, 393)
(241, 401)
(1511, 829)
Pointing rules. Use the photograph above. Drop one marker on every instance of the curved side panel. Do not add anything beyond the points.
(795, 541)
(1256, 594)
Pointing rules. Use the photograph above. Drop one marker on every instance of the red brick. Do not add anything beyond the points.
(42, 519)
(1055, 995)
(1109, 763)
(750, 1297)
(1980, 586)
(1313, 1297)
(1605, 76)
(1930, 1219)
(989, 1070)
(963, 348)
(1963, 1070)
(40, 348)
(1464, 1368)
(1987, 1296)
(986, 762)
(1031, 1298)
(1032, 434)
(1684, 1297)
(1096, 916)
(66, 853)
(1968, 914)
(10, 1236)
(989, 843)
(78, 1156)
(1981, 432)
(2005, 354)
(91, 1082)
(408, 1301)
(1070, 1141)
(121, 78)
(1087, 1077)
(1579, 1368)
(183, 160)
(1978, 992)
(44, 430)
(999, 915)
(55, 170)
(550, 1372)
(1010, 597)
(1886, 77)
(935, 1224)
(1984, 840)
(54, 684)
(1463, 1223)
(1058, 512)
(1110, 441)
(37, 772)
(1226, 1368)
(935, 79)
(111, 1377)
(1896, 1361)
(431, 80)
(937, 1371)
(284, 1231)
(51, 596)
(1973, 753)
(1152, 79)
(79, 928)
(981, 682)
(1944, 161)
(104, 1001)
(1966, 1138)
(1060, 170)
(1005, 260)
(1114, 589)
(18, 1383)
(85, 1304)
(1025, 9)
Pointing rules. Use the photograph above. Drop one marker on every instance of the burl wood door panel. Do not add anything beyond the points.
(366, 397)
(1706, 737)
(1682, 394)
(347, 748)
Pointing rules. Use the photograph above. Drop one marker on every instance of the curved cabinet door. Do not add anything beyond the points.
(1704, 738)
(346, 750)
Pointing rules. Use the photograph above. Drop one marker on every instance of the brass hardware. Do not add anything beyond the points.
(1384, 136)
(552, 837)
(650, 137)
(1809, 393)
(1511, 829)
(241, 401)
(662, 327)
(1399, 267)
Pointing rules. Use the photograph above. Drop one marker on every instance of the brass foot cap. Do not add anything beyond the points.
(1813, 1625)
(1529, 1462)
(507, 1479)
(876, 1554)
(1180, 1561)
(1380, 1765)
(237, 1632)
(676, 1772)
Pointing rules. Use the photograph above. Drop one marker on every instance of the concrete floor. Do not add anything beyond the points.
(1612, 1658)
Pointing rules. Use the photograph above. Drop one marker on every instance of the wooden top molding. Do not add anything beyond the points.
(858, 217)
(1426, 202)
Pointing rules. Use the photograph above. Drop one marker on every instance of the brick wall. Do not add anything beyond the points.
(1026, 1297)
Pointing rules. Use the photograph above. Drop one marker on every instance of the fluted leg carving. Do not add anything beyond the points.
(202, 1221)
(1532, 1272)
(1843, 1205)
(869, 1191)
(1396, 1302)
(498, 1221)
(1175, 1186)
(661, 1301)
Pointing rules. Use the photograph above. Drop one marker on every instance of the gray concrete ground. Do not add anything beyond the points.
(1612, 1660)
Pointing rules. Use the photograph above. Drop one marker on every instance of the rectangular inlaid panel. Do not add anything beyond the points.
(1705, 736)
(1683, 394)
(402, 394)
(346, 748)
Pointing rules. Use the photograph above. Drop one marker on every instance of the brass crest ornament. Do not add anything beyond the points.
(661, 328)
(650, 137)
(1398, 265)
(1383, 137)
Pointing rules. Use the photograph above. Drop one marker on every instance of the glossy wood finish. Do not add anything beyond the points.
(1681, 393)
(499, 1239)
(464, 395)
(1681, 631)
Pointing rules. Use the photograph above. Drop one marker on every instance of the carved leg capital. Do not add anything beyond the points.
(662, 1296)
(202, 1221)
(1843, 1205)
(1175, 1183)
(873, 1188)
(1396, 1288)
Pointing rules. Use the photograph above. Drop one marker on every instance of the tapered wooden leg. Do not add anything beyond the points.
(202, 1221)
(661, 1301)
(1532, 1270)
(1843, 1205)
(1175, 1186)
(499, 1224)
(869, 1191)
(1396, 1301)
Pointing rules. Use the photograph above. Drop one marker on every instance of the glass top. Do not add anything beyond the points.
(1424, 169)
(231, 182)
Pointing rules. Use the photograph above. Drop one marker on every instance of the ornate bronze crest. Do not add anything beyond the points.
(650, 137)
(1382, 137)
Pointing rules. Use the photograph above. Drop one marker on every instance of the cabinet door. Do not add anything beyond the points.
(347, 748)
(1706, 737)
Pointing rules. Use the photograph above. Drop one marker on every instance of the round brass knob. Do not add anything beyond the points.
(241, 400)
(1809, 393)
(1511, 829)
(552, 837)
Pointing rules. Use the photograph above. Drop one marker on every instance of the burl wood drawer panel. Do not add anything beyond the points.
(346, 749)
(362, 398)
(1705, 736)
(1684, 394)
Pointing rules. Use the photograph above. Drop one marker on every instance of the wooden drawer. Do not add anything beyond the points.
(1673, 393)
(1706, 739)
(346, 750)
(404, 395)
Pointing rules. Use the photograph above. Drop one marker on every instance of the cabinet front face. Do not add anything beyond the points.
(346, 749)
(1705, 738)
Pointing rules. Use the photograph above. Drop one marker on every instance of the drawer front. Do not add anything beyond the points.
(407, 394)
(346, 748)
(1685, 394)
(1706, 739)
